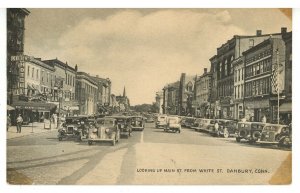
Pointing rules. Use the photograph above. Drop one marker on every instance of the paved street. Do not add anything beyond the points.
(202, 159)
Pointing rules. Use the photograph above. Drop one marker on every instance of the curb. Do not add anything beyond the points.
(31, 134)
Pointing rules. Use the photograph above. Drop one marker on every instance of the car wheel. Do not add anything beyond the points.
(238, 139)
(226, 133)
(113, 142)
(90, 142)
(179, 131)
(60, 138)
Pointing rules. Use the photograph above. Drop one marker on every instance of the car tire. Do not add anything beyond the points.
(60, 139)
(113, 142)
(226, 133)
(90, 142)
(238, 139)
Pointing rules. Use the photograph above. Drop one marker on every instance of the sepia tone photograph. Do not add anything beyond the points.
(149, 96)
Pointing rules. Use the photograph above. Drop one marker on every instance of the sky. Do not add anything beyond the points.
(141, 49)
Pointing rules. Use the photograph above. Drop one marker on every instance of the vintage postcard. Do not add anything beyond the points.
(149, 96)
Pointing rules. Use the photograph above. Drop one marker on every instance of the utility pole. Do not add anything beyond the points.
(277, 58)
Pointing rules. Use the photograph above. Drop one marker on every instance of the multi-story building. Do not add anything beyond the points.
(238, 99)
(15, 47)
(264, 79)
(171, 96)
(185, 94)
(86, 93)
(104, 93)
(203, 87)
(223, 67)
(65, 96)
(286, 106)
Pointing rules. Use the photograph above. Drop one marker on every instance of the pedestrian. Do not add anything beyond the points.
(264, 119)
(216, 126)
(19, 123)
(8, 122)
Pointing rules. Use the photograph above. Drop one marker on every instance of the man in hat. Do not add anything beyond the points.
(19, 123)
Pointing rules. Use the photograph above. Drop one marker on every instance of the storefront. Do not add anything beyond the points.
(227, 107)
(285, 112)
(32, 111)
(256, 109)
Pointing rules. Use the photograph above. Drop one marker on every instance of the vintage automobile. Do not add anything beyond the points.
(123, 123)
(226, 129)
(149, 119)
(183, 121)
(189, 121)
(196, 124)
(105, 130)
(207, 125)
(137, 123)
(161, 121)
(76, 126)
(276, 134)
(249, 131)
(173, 124)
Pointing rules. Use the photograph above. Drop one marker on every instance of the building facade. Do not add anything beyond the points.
(64, 97)
(238, 99)
(264, 79)
(15, 47)
(104, 94)
(203, 88)
(86, 94)
(223, 60)
(159, 101)
(185, 94)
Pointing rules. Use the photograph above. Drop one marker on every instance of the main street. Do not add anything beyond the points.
(148, 157)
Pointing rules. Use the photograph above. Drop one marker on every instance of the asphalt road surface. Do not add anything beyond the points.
(148, 157)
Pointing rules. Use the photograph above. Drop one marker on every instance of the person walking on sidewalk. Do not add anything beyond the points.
(19, 123)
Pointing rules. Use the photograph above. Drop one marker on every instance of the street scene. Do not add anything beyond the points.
(111, 96)
(42, 159)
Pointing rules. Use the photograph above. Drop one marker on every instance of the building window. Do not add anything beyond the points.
(242, 91)
(235, 75)
(32, 75)
(239, 91)
(42, 75)
(28, 71)
(239, 74)
(37, 74)
(47, 77)
(251, 43)
(225, 68)
(242, 73)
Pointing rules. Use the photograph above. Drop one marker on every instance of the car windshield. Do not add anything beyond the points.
(161, 118)
(173, 121)
(272, 128)
(243, 125)
(136, 119)
(72, 121)
(105, 122)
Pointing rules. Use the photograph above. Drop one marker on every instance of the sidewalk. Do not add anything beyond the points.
(30, 129)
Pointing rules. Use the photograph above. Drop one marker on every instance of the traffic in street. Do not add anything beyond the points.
(149, 156)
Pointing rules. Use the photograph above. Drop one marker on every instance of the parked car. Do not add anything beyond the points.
(123, 123)
(249, 131)
(105, 130)
(189, 121)
(277, 134)
(149, 119)
(183, 121)
(207, 125)
(197, 124)
(226, 128)
(137, 123)
(173, 124)
(76, 126)
(161, 121)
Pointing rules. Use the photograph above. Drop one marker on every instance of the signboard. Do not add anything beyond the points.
(21, 58)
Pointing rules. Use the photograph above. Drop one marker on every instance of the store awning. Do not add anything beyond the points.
(10, 108)
(39, 106)
(285, 108)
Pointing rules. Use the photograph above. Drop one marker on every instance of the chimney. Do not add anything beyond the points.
(258, 32)
(283, 30)
(205, 70)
